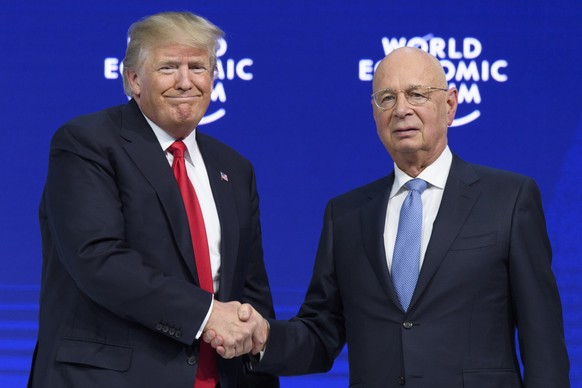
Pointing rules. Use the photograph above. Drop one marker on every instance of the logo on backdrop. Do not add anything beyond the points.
(228, 69)
(464, 68)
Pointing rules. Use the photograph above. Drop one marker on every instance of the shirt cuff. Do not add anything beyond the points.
(201, 330)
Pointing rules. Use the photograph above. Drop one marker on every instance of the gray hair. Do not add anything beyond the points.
(168, 28)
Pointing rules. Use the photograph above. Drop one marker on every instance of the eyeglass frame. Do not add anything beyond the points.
(405, 91)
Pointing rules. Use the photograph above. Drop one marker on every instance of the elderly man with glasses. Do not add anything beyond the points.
(429, 272)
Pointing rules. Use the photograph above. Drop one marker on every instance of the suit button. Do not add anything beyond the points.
(407, 325)
(191, 360)
(401, 380)
(172, 331)
(178, 333)
(165, 329)
(159, 327)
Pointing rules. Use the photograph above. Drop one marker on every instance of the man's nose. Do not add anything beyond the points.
(401, 106)
(183, 80)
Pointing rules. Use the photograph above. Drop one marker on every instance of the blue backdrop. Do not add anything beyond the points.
(293, 95)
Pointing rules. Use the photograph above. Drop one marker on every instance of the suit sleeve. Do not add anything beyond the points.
(256, 288)
(310, 342)
(535, 295)
(84, 208)
(256, 291)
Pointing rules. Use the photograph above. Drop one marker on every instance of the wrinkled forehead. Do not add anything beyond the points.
(162, 49)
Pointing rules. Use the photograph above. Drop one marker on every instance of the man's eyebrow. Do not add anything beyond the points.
(168, 60)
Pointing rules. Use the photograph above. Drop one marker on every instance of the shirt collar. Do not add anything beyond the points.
(166, 140)
(435, 174)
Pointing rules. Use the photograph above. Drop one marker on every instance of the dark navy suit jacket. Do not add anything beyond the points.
(120, 299)
(486, 272)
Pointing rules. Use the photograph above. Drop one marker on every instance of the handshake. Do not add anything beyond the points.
(234, 329)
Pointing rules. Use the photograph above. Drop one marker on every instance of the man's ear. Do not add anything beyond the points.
(134, 82)
(452, 102)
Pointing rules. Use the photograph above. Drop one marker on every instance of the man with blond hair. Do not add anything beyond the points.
(151, 232)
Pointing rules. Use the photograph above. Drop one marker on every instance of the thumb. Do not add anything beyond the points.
(244, 312)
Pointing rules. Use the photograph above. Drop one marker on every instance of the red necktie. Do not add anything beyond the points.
(207, 375)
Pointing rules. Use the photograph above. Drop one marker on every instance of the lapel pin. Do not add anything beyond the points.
(223, 177)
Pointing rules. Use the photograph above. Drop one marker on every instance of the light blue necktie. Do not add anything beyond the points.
(406, 259)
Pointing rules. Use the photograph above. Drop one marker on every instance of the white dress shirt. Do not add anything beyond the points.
(198, 175)
(436, 175)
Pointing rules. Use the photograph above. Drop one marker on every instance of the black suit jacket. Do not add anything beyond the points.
(120, 300)
(486, 272)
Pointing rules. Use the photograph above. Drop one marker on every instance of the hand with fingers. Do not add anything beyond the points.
(246, 333)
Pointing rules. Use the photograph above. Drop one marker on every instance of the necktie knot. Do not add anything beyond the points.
(178, 149)
(416, 184)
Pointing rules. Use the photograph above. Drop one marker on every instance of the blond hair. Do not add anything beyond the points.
(168, 28)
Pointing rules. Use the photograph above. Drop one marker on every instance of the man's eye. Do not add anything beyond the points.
(387, 98)
(416, 95)
(197, 69)
(166, 69)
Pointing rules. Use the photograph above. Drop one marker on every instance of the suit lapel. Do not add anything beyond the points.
(222, 191)
(144, 149)
(458, 199)
(373, 219)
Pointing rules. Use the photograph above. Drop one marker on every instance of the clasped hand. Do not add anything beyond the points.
(234, 329)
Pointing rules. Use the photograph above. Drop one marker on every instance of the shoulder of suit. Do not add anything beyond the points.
(489, 177)
(375, 188)
(219, 149)
(93, 125)
(98, 118)
(485, 172)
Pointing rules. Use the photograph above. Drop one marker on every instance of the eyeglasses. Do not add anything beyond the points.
(416, 95)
